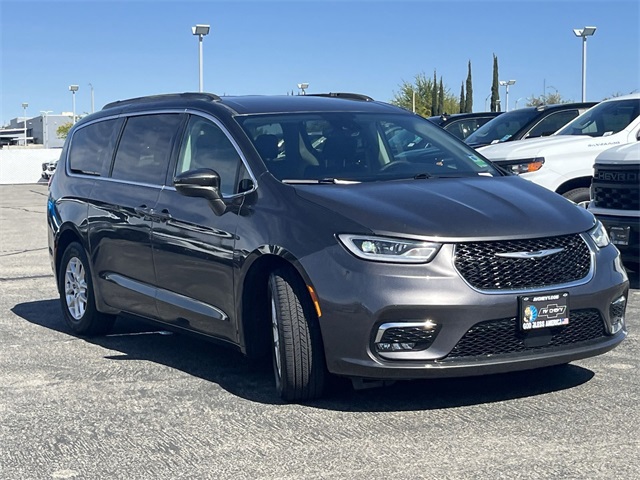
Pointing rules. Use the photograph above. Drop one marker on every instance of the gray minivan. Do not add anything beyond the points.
(332, 233)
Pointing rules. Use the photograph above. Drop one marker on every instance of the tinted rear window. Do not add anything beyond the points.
(91, 148)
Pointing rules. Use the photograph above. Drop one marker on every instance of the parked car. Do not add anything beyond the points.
(564, 162)
(462, 125)
(615, 199)
(218, 216)
(48, 169)
(528, 122)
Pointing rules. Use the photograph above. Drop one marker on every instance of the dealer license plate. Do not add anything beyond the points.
(543, 310)
(619, 235)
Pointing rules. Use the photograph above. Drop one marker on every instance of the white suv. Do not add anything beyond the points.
(564, 161)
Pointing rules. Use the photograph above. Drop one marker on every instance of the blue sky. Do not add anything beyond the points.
(133, 48)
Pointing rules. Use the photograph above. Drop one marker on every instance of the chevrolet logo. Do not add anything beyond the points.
(531, 255)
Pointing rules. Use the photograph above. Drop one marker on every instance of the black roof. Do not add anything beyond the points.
(257, 104)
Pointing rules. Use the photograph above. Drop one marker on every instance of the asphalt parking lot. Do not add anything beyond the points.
(142, 404)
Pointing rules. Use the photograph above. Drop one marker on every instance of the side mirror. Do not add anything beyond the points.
(204, 183)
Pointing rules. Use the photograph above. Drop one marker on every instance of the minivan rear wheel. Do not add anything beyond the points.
(77, 296)
(298, 358)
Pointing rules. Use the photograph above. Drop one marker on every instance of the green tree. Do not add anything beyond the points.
(422, 87)
(63, 130)
(441, 109)
(434, 95)
(462, 100)
(551, 99)
(495, 92)
(468, 103)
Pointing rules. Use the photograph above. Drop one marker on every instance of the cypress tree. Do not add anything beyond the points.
(434, 96)
(468, 104)
(495, 92)
(462, 100)
(441, 98)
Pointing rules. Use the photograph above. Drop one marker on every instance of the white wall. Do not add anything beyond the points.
(24, 165)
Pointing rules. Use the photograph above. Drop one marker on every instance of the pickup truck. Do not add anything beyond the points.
(563, 162)
(615, 199)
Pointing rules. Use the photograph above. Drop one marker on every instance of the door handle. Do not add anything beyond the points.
(162, 216)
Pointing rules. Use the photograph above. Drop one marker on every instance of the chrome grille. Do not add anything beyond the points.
(502, 337)
(480, 266)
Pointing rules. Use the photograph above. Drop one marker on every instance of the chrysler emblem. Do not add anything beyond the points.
(531, 255)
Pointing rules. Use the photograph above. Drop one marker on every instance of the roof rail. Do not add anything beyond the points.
(166, 96)
(349, 96)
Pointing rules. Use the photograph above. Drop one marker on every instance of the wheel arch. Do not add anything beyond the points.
(254, 326)
(580, 182)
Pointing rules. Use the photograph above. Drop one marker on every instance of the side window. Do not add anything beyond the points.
(145, 147)
(91, 148)
(552, 123)
(206, 146)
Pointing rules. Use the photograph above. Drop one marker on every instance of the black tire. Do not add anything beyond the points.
(77, 297)
(579, 196)
(297, 350)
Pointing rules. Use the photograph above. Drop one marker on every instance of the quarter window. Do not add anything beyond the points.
(552, 123)
(145, 147)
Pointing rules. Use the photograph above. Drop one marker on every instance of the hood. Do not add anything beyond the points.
(534, 147)
(453, 209)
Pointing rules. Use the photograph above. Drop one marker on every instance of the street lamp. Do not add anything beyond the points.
(92, 102)
(24, 107)
(73, 89)
(45, 127)
(584, 33)
(485, 102)
(506, 83)
(303, 87)
(200, 31)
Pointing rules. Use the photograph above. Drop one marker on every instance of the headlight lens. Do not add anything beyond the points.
(600, 235)
(523, 165)
(387, 249)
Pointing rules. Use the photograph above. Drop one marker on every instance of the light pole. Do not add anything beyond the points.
(584, 33)
(506, 84)
(485, 102)
(24, 107)
(200, 31)
(303, 87)
(92, 102)
(73, 89)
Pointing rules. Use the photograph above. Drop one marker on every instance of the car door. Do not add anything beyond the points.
(121, 214)
(193, 247)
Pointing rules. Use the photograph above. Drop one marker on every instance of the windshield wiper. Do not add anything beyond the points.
(320, 181)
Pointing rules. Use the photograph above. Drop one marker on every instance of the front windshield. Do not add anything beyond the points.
(503, 127)
(359, 147)
(604, 119)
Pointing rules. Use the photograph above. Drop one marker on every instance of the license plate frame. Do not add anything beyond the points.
(619, 235)
(543, 310)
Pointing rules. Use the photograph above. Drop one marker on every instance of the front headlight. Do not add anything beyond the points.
(600, 235)
(387, 249)
(523, 165)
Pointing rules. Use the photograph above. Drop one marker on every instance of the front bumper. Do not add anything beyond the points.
(356, 297)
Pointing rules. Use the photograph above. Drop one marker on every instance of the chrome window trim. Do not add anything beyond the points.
(161, 185)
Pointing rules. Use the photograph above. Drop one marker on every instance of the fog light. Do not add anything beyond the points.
(616, 314)
(405, 336)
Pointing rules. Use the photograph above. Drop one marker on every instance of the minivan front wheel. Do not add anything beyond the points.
(298, 358)
(76, 294)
